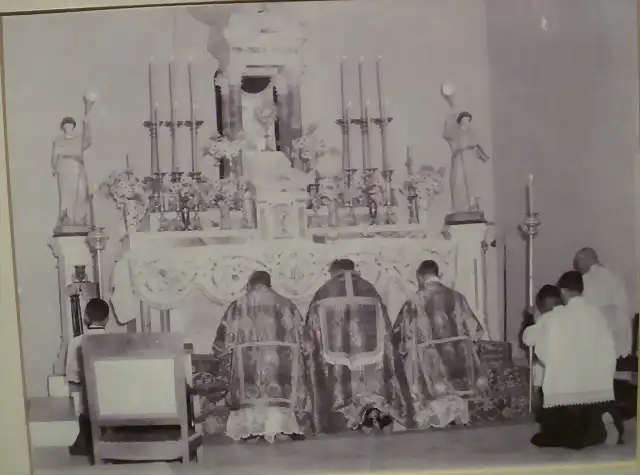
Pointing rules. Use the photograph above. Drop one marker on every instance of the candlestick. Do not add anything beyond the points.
(128, 165)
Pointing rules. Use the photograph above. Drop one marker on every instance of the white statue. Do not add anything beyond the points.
(67, 163)
(464, 146)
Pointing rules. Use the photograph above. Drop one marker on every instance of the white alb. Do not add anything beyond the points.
(577, 349)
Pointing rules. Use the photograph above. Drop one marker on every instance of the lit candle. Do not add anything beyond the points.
(172, 117)
(156, 159)
(342, 91)
(530, 196)
(367, 139)
(379, 87)
(193, 119)
(360, 87)
(151, 101)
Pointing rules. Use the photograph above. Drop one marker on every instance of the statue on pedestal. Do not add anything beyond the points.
(464, 146)
(67, 163)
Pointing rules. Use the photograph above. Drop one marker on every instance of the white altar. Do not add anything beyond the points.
(160, 270)
(270, 215)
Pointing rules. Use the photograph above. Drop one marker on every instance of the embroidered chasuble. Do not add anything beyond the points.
(433, 336)
(258, 345)
(351, 362)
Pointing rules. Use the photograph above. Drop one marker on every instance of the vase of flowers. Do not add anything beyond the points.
(329, 191)
(130, 194)
(225, 151)
(422, 187)
(225, 194)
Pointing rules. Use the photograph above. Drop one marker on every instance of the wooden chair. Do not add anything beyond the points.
(136, 387)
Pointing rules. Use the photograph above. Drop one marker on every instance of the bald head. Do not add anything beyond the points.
(584, 259)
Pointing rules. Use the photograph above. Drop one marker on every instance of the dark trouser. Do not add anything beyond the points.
(575, 427)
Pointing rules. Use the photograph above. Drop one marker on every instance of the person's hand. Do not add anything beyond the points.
(528, 317)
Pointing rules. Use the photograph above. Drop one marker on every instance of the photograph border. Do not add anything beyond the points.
(14, 434)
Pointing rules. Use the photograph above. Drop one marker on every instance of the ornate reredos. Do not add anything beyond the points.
(259, 38)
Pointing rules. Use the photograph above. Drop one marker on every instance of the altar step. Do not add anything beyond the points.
(52, 421)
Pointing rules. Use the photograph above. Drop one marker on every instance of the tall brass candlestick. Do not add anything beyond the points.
(194, 127)
(172, 123)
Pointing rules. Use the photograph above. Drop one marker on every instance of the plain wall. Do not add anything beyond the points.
(565, 108)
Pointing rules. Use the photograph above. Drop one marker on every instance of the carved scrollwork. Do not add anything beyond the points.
(164, 279)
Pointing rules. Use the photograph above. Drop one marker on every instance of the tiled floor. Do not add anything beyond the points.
(463, 448)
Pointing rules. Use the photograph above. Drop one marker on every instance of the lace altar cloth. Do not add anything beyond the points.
(164, 276)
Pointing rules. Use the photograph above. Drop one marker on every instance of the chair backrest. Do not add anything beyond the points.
(135, 378)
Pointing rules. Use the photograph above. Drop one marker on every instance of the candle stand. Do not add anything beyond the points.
(530, 227)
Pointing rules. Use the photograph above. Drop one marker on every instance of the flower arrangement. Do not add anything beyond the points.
(330, 189)
(224, 192)
(309, 148)
(222, 148)
(428, 180)
(371, 186)
(123, 187)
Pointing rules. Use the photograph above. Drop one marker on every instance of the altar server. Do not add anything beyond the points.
(96, 316)
(352, 366)
(259, 349)
(605, 290)
(434, 335)
(574, 344)
(549, 297)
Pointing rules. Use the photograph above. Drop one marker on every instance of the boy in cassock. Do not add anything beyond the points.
(578, 352)
(96, 316)
(549, 297)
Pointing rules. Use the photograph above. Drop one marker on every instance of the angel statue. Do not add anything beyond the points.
(464, 147)
(67, 164)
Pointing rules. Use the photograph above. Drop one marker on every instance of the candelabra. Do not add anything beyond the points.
(530, 227)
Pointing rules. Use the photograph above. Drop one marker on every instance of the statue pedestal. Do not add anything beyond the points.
(70, 251)
(471, 279)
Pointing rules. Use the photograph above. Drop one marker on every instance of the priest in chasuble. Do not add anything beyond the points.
(434, 335)
(352, 369)
(259, 347)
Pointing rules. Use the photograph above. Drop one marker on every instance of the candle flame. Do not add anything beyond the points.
(361, 59)
(530, 179)
(344, 58)
(172, 59)
(151, 59)
(348, 104)
(379, 58)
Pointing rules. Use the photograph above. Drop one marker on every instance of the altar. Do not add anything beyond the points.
(160, 270)
(267, 193)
